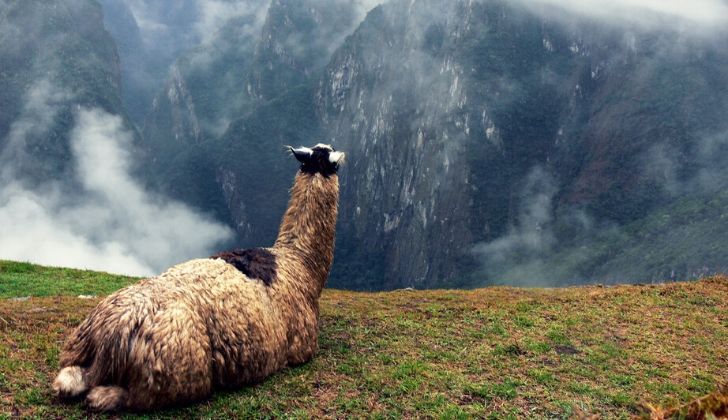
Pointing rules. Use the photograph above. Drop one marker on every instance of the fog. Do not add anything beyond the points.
(550, 242)
(697, 15)
(103, 218)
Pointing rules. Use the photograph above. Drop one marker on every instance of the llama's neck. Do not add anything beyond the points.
(309, 226)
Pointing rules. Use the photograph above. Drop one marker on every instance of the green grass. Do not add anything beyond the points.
(488, 353)
(19, 279)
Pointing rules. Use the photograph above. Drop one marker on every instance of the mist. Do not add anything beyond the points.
(534, 251)
(703, 16)
(103, 218)
(154, 35)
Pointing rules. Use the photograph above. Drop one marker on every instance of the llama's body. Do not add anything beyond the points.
(205, 324)
(201, 324)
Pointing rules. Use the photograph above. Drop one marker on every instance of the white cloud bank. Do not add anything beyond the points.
(190, 22)
(214, 14)
(201, 19)
(697, 13)
(112, 223)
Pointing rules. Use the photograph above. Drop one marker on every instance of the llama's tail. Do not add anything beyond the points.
(73, 379)
(107, 398)
(70, 382)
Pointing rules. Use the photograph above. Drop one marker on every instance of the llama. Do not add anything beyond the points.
(221, 322)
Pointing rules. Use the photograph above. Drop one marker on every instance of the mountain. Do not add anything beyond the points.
(72, 180)
(487, 143)
(480, 132)
(150, 35)
(56, 57)
(137, 78)
(198, 132)
(248, 61)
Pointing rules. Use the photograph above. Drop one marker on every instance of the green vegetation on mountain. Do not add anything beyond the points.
(666, 243)
(495, 352)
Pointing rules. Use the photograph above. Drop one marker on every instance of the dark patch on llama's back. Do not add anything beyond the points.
(256, 263)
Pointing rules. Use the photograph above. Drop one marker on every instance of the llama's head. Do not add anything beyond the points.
(322, 159)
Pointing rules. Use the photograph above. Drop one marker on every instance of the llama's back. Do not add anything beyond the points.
(122, 316)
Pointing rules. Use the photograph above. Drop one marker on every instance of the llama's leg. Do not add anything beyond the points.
(70, 383)
(107, 398)
(303, 339)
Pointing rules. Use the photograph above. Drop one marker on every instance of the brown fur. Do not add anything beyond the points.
(713, 405)
(256, 263)
(204, 324)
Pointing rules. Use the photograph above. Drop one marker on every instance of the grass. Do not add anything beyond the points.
(497, 352)
(19, 279)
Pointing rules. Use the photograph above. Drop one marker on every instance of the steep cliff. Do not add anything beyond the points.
(487, 142)
(481, 133)
(151, 35)
(199, 151)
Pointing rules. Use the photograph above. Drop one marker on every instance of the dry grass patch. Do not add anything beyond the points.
(499, 352)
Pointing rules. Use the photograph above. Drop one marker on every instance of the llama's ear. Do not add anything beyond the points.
(302, 153)
(337, 157)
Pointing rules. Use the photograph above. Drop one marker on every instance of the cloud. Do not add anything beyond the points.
(184, 24)
(526, 254)
(532, 236)
(103, 219)
(664, 166)
(40, 107)
(365, 6)
(550, 246)
(711, 174)
(151, 23)
(653, 13)
(33, 230)
(214, 14)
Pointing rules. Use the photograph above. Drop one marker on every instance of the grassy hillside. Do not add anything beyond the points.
(500, 352)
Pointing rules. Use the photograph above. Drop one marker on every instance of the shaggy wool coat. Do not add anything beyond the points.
(204, 324)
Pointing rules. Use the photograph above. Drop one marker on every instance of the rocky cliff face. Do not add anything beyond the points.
(255, 57)
(296, 41)
(151, 35)
(394, 97)
(487, 142)
(467, 120)
(240, 74)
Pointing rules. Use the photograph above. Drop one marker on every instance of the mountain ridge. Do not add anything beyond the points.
(488, 142)
(450, 111)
